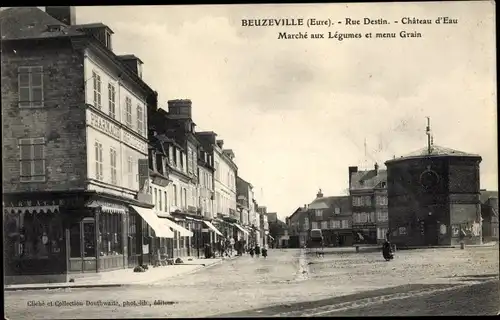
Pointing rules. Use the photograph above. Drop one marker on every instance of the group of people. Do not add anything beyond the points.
(257, 251)
(228, 247)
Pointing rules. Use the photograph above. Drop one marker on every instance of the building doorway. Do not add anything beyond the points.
(431, 233)
(82, 246)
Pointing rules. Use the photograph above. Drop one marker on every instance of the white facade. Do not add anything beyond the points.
(116, 119)
(205, 192)
(225, 183)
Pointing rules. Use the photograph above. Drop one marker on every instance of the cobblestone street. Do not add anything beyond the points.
(285, 278)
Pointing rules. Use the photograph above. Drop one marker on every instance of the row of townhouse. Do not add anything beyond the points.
(360, 217)
(97, 176)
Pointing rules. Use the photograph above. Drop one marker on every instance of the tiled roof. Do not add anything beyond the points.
(341, 202)
(435, 151)
(31, 23)
(367, 179)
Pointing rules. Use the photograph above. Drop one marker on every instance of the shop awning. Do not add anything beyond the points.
(154, 222)
(31, 209)
(241, 228)
(211, 226)
(183, 231)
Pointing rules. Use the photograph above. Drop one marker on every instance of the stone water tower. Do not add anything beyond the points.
(434, 197)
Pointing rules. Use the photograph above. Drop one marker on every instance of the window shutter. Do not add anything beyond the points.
(143, 174)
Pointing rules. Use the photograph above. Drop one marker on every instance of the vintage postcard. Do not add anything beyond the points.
(257, 160)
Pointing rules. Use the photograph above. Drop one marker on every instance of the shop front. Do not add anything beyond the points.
(153, 235)
(239, 232)
(364, 235)
(182, 239)
(51, 235)
(34, 242)
(213, 233)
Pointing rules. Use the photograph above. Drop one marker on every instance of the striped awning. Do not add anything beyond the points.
(32, 209)
(105, 208)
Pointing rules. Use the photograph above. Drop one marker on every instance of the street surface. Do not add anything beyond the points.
(292, 283)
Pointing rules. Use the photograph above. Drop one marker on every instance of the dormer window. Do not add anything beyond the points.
(108, 40)
(139, 70)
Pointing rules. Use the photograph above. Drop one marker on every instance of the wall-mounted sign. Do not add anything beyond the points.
(135, 142)
(104, 125)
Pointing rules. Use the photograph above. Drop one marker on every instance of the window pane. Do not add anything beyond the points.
(38, 151)
(39, 167)
(36, 94)
(36, 79)
(25, 168)
(24, 94)
(24, 79)
(26, 152)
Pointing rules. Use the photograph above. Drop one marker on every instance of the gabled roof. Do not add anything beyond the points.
(368, 179)
(342, 202)
(31, 23)
(298, 210)
(436, 151)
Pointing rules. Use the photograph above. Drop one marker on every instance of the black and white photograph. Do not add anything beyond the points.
(250, 160)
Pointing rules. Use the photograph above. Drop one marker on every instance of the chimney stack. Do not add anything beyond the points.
(220, 143)
(376, 168)
(319, 194)
(180, 108)
(66, 15)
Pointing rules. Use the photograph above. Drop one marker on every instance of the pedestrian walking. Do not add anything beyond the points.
(257, 250)
(252, 252)
(264, 252)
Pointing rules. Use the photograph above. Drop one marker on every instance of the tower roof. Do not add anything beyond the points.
(436, 151)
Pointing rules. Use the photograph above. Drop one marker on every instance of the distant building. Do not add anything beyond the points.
(272, 217)
(294, 223)
(368, 190)
(434, 197)
(264, 226)
(489, 215)
(246, 208)
(334, 217)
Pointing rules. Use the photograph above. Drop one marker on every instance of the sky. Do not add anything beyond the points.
(297, 112)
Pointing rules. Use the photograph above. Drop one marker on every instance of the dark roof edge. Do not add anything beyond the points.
(434, 156)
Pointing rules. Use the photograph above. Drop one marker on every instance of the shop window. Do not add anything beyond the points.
(39, 236)
(111, 232)
(89, 245)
